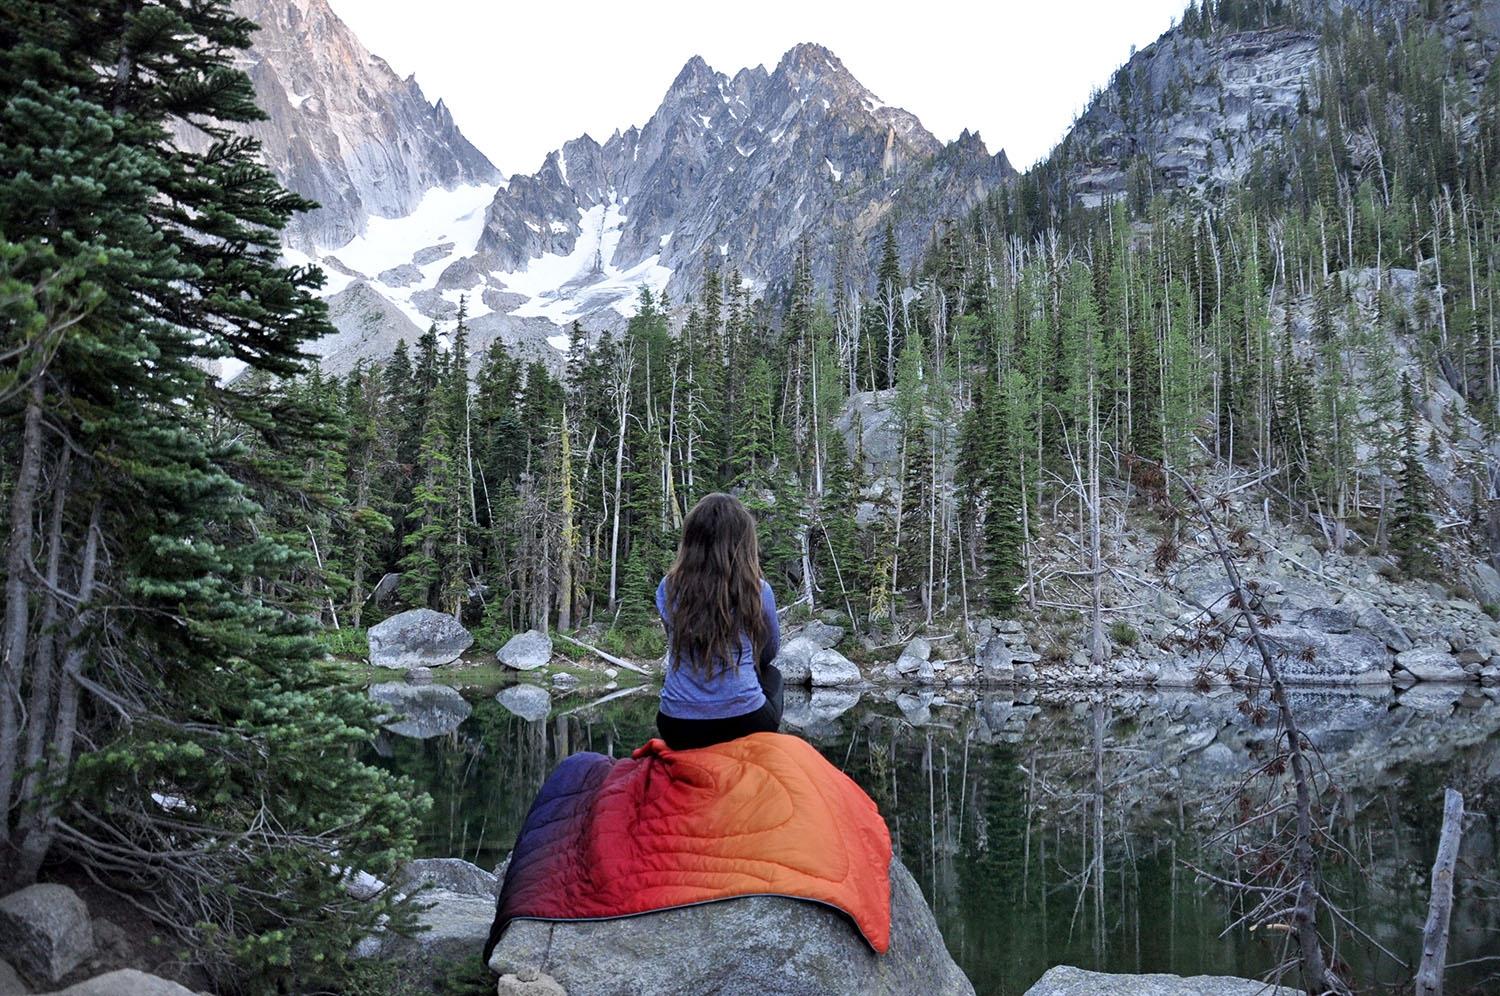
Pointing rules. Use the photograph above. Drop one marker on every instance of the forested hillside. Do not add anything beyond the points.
(1320, 329)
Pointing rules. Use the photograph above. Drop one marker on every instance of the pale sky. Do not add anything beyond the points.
(522, 78)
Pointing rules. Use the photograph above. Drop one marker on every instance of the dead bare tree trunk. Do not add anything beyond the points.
(1316, 976)
(1429, 980)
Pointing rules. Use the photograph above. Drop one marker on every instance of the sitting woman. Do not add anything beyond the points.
(722, 632)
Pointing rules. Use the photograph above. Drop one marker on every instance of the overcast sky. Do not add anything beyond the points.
(522, 78)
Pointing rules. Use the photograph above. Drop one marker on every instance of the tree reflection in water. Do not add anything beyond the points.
(1059, 830)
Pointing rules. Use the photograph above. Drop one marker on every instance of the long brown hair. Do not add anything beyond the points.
(713, 588)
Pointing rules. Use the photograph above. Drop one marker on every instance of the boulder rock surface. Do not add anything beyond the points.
(739, 947)
(418, 638)
(1065, 980)
(448, 875)
(526, 651)
(456, 929)
(795, 660)
(125, 982)
(831, 669)
(47, 931)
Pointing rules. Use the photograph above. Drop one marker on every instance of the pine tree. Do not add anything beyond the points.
(151, 264)
(1412, 531)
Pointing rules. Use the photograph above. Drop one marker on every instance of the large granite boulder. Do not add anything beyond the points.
(1065, 980)
(530, 702)
(125, 982)
(448, 875)
(420, 711)
(1312, 657)
(739, 947)
(10, 981)
(1431, 664)
(418, 638)
(452, 929)
(995, 660)
(831, 669)
(795, 660)
(824, 634)
(526, 651)
(47, 932)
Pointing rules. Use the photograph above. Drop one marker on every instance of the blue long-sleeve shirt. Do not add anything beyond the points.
(687, 694)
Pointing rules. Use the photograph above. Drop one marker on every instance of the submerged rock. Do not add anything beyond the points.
(418, 638)
(424, 710)
(1065, 980)
(530, 702)
(47, 931)
(526, 651)
(737, 947)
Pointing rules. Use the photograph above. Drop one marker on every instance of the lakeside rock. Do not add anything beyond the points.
(831, 669)
(737, 947)
(448, 875)
(825, 635)
(125, 982)
(418, 638)
(454, 928)
(1065, 980)
(424, 710)
(47, 932)
(526, 651)
(795, 660)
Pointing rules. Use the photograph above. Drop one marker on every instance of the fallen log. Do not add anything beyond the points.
(617, 661)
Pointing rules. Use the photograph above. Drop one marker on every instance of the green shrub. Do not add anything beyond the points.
(1123, 633)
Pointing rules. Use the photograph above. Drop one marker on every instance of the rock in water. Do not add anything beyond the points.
(753, 946)
(125, 982)
(47, 931)
(526, 651)
(530, 702)
(1065, 980)
(795, 660)
(418, 638)
(829, 668)
(1312, 657)
(425, 710)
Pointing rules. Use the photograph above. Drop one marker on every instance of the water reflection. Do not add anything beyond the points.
(1049, 830)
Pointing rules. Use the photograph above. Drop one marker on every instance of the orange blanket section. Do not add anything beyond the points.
(762, 815)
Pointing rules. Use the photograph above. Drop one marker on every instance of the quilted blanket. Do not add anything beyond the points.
(761, 815)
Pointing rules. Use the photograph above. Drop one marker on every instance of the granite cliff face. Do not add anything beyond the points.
(343, 128)
(1189, 111)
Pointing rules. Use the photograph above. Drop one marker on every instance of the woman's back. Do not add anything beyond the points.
(718, 692)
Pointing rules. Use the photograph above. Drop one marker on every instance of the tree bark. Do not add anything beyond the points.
(1429, 980)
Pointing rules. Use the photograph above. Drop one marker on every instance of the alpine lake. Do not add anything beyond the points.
(1058, 827)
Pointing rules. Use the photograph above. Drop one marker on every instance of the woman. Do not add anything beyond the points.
(722, 632)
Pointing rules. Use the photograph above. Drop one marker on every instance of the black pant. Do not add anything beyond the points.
(686, 734)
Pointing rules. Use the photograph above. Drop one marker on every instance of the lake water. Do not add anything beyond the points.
(1051, 829)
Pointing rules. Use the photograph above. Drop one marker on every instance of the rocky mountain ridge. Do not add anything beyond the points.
(737, 172)
(343, 128)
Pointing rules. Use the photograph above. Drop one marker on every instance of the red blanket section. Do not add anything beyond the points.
(761, 815)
